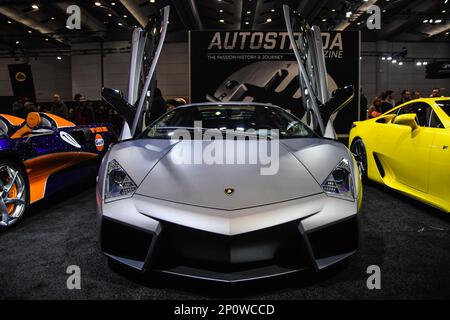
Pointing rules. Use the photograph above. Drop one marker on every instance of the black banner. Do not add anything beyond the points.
(260, 66)
(438, 70)
(225, 309)
(22, 81)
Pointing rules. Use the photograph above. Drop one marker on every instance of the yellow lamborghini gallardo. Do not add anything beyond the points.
(408, 149)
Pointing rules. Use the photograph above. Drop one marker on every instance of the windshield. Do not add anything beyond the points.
(445, 106)
(260, 119)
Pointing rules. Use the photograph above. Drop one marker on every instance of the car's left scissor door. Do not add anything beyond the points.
(146, 48)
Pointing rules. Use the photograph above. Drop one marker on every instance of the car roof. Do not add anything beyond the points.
(431, 100)
(229, 103)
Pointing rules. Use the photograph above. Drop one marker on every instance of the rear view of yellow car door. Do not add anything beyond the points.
(405, 146)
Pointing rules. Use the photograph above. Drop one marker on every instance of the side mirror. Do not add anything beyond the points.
(116, 100)
(386, 118)
(408, 119)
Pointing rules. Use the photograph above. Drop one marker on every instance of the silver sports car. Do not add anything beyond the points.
(227, 191)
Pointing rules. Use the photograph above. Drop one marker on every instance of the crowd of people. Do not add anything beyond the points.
(386, 101)
(82, 111)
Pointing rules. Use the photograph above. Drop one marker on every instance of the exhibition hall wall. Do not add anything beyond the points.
(82, 73)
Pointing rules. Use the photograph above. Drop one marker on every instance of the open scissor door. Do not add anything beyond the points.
(145, 51)
(307, 45)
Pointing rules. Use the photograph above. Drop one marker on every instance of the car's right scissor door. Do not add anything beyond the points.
(307, 45)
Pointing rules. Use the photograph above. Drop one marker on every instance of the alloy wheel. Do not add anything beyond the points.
(12, 195)
(359, 150)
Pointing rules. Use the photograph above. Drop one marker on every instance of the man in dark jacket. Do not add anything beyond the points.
(18, 107)
(58, 107)
(406, 96)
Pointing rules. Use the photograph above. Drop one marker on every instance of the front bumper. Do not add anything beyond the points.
(311, 240)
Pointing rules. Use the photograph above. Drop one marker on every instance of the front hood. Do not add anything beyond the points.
(204, 185)
(320, 156)
(139, 156)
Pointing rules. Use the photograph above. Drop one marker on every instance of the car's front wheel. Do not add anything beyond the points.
(13, 193)
(359, 150)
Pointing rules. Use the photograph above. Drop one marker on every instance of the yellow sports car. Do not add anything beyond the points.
(407, 149)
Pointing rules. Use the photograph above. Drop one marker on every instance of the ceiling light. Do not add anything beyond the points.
(269, 20)
(17, 42)
(394, 61)
(29, 31)
(438, 21)
(125, 16)
(400, 63)
(447, 33)
(221, 10)
(272, 10)
(46, 39)
(323, 20)
(418, 63)
(119, 24)
(53, 18)
(222, 21)
(348, 14)
(9, 22)
(384, 10)
(444, 11)
(425, 63)
(59, 58)
(383, 58)
(98, 3)
(425, 21)
(109, 15)
(152, 1)
(247, 23)
(248, 12)
(35, 6)
(431, 21)
(333, 10)
(389, 58)
(113, 3)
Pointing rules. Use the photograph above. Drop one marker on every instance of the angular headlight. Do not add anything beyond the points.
(340, 181)
(118, 182)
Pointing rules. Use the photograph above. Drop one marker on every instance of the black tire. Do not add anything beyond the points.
(22, 193)
(358, 148)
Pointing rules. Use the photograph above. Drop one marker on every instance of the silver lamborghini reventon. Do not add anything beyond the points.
(224, 220)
